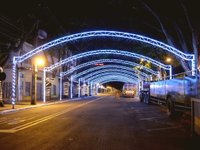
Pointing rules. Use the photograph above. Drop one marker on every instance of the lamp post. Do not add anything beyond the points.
(38, 62)
(169, 61)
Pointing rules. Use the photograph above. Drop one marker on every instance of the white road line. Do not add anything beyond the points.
(30, 124)
(7, 131)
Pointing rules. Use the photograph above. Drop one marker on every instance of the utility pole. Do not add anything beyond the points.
(34, 85)
(36, 63)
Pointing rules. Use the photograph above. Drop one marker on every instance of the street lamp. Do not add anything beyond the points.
(168, 59)
(38, 62)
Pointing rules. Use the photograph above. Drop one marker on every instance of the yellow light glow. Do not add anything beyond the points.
(39, 61)
(199, 67)
(168, 59)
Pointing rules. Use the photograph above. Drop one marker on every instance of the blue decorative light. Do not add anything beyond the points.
(79, 87)
(60, 89)
(107, 52)
(108, 68)
(116, 80)
(104, 33)
(113, 71)
(114, 77)
(111, 74)
(14, 67)
(118, 61)
(101, 33)
(71, 87)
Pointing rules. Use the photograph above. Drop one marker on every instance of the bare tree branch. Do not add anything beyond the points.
(195, 41)
(181, 37)
(168, 37)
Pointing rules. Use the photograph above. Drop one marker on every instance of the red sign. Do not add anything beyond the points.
(99, 64)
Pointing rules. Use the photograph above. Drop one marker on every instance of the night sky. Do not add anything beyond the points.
(59, 18)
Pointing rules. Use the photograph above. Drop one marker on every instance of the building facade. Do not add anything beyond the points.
(24, 78)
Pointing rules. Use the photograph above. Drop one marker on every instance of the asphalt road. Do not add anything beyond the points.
(102, 123)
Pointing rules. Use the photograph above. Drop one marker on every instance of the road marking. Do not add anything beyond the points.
(7, 131)
(17, 121)
(35, 122)
(160, 129)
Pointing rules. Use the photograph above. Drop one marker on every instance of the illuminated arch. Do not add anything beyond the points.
(108, 52)
(113, 77)
(109, 71)
(115, 80)
(104, 33)
(85, 54)
(101, 33)
(105, 68)
(111, 74)
(117, 61)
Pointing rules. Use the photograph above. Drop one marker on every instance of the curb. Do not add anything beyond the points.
(35, 106)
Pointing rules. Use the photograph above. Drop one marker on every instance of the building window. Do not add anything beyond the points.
(27, 88)
(54, 89)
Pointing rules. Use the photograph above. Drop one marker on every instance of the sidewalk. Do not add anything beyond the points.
(26, 105)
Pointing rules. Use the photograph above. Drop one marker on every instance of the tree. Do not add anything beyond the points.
(170, 39)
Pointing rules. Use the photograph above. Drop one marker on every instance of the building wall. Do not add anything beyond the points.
(24, 87)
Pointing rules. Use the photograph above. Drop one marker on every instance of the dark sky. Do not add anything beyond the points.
(68, 16)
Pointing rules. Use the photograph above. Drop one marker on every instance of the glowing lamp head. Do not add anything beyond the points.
(168, 59)
(39, 61)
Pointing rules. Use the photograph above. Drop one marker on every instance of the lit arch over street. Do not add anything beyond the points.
(116, 80)
(112, 74)
(116, 77)
(108, 52)
(100, 33)
(116, 61)
(111, 71)
(105, 33)
(105, 68)
(113, 79)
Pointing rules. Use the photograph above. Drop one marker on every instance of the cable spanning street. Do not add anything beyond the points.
(94, 123)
